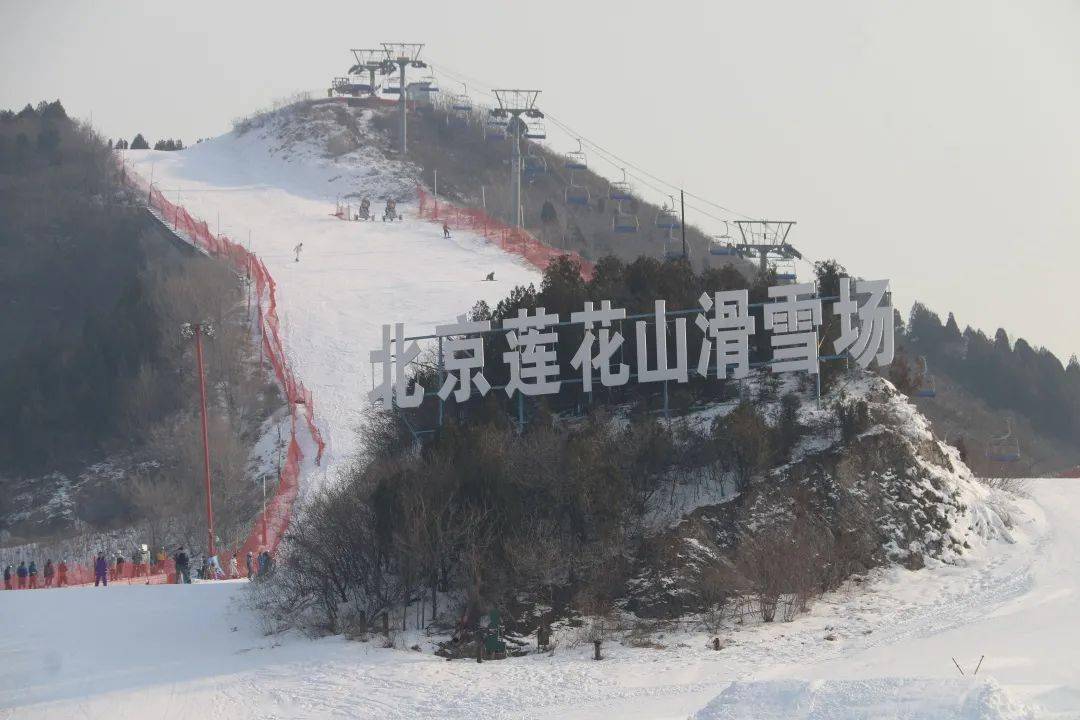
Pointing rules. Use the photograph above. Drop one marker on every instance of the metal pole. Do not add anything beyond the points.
(206, 440)
(682, 222)
(435, 195)
(402, 62)
(515, 171)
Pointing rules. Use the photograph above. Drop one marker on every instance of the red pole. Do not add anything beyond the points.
(205, 439)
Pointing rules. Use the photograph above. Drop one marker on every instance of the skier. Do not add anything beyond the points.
(119, 567)
(7, 577)
(33, 575)
(445, 231)
(365, 209)
(61, 573)
(298, 248)
(250, 565)
(390, 211)
(22, 573)
(183, 568)
(216, 573)
(49, 571)
(101, 570)
(234, 569)
(264, 562)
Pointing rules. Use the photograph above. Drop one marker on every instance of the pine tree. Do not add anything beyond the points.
(139, 143)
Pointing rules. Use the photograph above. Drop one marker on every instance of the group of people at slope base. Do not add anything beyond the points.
(141, 565)
(211, 566)
(25, 577)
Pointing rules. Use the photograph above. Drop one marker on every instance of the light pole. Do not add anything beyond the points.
(197, 331)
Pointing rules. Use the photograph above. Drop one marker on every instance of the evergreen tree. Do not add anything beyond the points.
(139, 143)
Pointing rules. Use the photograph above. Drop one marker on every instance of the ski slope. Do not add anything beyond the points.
(352, 276)
(197, 651)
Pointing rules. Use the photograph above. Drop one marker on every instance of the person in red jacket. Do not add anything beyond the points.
(61, 573)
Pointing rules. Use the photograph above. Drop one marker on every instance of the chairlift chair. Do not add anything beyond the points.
(535, 129)
(460, 103)
(576, 159)
(785, 271)
(665, 217)
(1004, 449)
(534, 165)
(623, 222)
(620, 190)
(392, 87)
(495, 129)
(925, 387)
(576, 195)
(722, 244)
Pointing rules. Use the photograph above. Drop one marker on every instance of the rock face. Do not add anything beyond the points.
(881, 490)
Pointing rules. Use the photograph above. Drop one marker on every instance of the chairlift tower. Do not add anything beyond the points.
(512, 105)
(766, 240)
(403, 55)
(370, 60)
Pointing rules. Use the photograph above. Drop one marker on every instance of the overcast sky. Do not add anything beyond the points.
(932, 142)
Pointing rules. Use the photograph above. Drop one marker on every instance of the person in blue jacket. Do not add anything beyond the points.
(101, 570)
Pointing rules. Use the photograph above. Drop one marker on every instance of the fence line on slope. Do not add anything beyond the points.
(511, 239)
(271, 523)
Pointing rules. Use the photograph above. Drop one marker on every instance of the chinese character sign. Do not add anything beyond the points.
(792, 318)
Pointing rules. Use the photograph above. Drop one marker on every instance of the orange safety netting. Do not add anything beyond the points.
(270, 524)
(511, 239)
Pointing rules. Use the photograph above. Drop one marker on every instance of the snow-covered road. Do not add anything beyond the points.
(197, 651)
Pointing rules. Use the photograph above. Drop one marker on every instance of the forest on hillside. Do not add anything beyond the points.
(94, 366)
(1015, 380)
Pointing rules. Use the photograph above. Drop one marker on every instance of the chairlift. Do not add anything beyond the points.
(672, 248)
(460, 103)
(535, 129)
(665, 217)
(722, 244)
(534, 165)
(575, 159)
(495, 129)
(576, 195)
(785, 271)
(925, 387)
(1004, 449)
(620, 190)
(429, 84)
(392, 86)
(623, 222)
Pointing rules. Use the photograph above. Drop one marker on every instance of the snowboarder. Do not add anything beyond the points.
(390, 211)
(7, 577)
(33, 575)
(490, 277)
(234, 569)
(101, 570)
(61, 573)
(49, 572)
(298, 248)
(22, 573)
(445, 231)
(183, 568)
(250, 565)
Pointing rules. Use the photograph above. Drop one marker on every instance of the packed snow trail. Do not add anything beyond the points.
(197, 651)
(351, 277)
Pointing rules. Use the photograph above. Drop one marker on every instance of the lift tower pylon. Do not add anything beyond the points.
(513, 103)
(766, 240)
(403, 55)
(370, 60)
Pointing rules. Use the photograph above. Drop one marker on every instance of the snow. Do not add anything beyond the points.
(881, 646)
(277, 182)
(197, 651)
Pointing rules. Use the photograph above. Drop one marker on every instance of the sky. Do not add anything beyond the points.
(931, 142)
